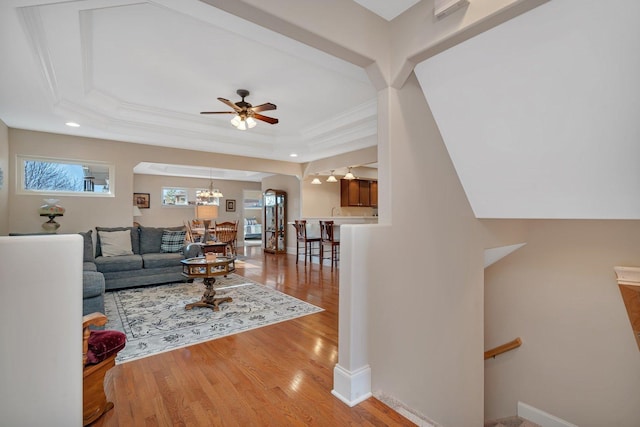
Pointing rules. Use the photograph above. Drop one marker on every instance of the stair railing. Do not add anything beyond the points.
(511, 345)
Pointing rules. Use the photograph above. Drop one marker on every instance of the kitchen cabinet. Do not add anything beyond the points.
(373, 195)
(275, 221)
(358, 192)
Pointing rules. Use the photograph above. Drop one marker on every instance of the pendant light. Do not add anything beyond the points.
(349, 175)
(316, 180)
(332, 178)
(211, 192)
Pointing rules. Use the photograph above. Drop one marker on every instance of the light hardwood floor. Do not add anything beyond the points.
(278, 375)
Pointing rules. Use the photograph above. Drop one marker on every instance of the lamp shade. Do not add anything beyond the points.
(349, 175)
(206, 211)
(136, 211)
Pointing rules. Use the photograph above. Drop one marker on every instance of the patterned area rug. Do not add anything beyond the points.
(155, 320)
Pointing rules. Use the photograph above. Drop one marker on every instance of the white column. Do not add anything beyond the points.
(352, 374)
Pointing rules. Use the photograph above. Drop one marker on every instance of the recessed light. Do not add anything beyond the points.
(293, 155)
(72, 124)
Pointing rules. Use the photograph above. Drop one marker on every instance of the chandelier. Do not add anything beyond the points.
(211, 192)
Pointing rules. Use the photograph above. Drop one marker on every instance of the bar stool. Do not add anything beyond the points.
(327, 238)
(307, 242)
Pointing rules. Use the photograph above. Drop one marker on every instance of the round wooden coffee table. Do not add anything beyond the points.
(208, 270)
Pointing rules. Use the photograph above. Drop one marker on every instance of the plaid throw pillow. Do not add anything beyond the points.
(172, 241)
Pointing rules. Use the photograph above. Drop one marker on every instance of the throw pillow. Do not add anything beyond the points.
(151, 238)
(172, 241)
(135, 237)
(115, 243)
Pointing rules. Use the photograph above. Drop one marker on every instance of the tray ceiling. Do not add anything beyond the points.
(142, 71)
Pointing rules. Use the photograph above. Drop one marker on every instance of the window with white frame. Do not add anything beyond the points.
(65, 177)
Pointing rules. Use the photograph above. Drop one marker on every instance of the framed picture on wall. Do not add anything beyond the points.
(231, 205)
(141, 200)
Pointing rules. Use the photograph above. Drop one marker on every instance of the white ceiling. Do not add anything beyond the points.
(141, 71)
(540, 115)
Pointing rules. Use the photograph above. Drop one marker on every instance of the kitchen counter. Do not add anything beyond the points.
(337, 220)
(313, 223)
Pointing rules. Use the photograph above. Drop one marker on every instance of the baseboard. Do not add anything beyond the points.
(540, 417)
(412, 415)
(352, 387)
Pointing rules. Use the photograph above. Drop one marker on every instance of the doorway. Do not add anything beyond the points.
(252, 214)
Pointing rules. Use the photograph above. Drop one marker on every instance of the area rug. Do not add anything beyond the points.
(155, 320)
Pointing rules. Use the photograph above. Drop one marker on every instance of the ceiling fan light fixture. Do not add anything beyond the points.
(332, 178)
(245, 114)
(349, 175)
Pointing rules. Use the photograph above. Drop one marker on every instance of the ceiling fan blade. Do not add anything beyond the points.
(263, 107)
(230, 104)
(217, 112)
(270, 120)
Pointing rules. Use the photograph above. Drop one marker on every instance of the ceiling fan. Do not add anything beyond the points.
(244, 112)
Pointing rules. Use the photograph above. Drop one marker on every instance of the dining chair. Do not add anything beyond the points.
(327, 238)
(305, 242)
(227, 232)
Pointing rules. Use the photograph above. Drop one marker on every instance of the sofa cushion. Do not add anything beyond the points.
(87, 255)
(115, 243)
(89, 266)
(151, 238)
(119, 263)
(92, 284)
(172, 241)
(161, 260)
(135, 238)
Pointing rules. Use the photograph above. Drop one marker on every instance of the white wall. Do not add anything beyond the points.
(4, 187)
(426, 317)
(525, 136)
(85, 213)
(41, 330)
(579, 360)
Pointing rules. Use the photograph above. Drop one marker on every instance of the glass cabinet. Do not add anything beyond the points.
(275, 221)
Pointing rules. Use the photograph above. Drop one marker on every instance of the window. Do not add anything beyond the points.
(172, 196)
(68, 177)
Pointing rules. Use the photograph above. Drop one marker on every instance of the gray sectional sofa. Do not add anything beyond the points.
(92, 280)
(148, 264)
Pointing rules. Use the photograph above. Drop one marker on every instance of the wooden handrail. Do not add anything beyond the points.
(511, 345)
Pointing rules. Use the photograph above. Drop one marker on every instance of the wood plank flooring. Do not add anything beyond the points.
(278, 375)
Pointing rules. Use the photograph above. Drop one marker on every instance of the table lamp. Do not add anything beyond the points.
(136, 213)
(52, 209)
(206, 213)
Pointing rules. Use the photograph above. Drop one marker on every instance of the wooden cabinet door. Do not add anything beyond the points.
(354, 193)
(365, 194)
(344, 192)
(373, 189)
(358, 192)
